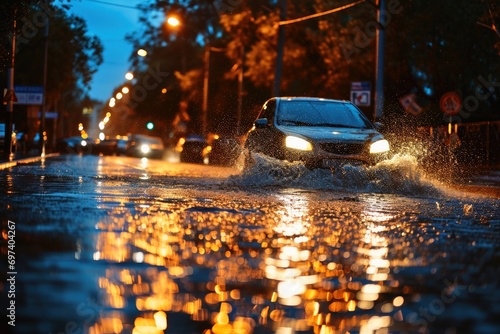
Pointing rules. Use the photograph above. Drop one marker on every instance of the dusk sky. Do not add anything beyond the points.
(110, 20)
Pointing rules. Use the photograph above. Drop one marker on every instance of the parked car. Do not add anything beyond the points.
(323, 133)
(193, 149)
(24, 143)
(143, 146)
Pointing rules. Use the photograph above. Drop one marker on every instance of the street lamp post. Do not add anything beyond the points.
(206, 73)
(206, 77)
(10, 102)
(240, 90)
(44, 103)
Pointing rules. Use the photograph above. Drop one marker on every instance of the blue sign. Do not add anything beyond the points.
(29, 94)
(361, 85)
(28, 89)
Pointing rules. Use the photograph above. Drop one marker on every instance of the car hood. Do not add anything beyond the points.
(323, 133)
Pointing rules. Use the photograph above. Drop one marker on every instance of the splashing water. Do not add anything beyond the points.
(399, 175)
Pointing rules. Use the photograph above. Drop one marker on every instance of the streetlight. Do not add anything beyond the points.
(173, 21)
(129, 75)
(142, 53)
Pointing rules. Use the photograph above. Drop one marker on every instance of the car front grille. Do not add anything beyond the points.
(342, 148)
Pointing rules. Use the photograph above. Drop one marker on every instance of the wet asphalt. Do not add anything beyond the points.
(123, 245)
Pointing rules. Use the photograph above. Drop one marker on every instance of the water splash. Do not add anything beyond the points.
(399, 175)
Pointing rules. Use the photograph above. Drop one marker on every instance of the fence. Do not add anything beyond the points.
(476, 144)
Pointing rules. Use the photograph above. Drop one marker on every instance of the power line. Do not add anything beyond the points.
(114, 4)
(282, 23)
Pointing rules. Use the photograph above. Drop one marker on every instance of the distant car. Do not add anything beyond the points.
(193, 149)
(323, 133)
(76, 145)
(122, 145)
(142, 146)
(105, 147)
(224, 151)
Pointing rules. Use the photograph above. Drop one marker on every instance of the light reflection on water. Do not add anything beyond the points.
(283, 260)
(285, 268)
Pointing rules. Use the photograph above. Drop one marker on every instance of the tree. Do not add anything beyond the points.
(432, 47)
(73, 56)
(440, 47)
(176, 51)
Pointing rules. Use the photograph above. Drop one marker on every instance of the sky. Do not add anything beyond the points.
(110, 23)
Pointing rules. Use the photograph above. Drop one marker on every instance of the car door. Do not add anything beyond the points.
(265, 137)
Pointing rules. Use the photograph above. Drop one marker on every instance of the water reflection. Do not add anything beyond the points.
(289, 266)
(9, 185)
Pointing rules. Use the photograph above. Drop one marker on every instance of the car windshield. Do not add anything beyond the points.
(321, 113)
(151, 141)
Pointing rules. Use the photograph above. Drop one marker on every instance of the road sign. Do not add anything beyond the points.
(361, 85)
(29, 94)
(361, 98)
(450, 103)
(9, 95)
(410, 105)
(361, 93)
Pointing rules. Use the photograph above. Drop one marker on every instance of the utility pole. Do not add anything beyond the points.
(240, 90)
(8, 143)
(279, 54)
(379, 67)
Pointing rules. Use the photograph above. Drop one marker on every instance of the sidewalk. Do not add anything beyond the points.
(487, 178)
(24, 158)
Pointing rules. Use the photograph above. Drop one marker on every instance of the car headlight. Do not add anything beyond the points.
(298, 143)
(380, 146)
(145, 148)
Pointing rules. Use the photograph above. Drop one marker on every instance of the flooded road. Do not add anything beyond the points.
(122, 245)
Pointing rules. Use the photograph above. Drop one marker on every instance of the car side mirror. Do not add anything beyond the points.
(261, 123)
(378, 126)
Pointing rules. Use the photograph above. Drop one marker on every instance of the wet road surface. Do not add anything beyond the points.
(122, 245)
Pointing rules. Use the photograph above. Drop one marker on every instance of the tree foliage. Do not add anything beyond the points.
(73, 56)
(432, 47)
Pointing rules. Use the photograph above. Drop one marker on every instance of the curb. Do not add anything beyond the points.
(24, 161)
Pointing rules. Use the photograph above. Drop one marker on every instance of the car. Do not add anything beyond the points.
(225, 151)
(76, 145)
(122, 145)
(323, 133)
(193, 149)
(24, 143)
(107, 146)
(143, 146)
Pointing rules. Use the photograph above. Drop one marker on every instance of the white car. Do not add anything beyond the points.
(323, 133)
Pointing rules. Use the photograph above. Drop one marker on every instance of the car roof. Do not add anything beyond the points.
(195, 138)
(307, 98)
(144, 137)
